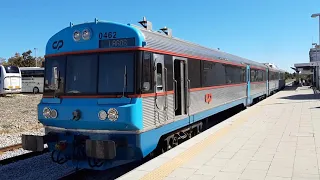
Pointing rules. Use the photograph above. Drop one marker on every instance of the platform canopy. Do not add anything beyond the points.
(306, 68)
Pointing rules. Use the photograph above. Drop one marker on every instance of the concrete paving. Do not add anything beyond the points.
(276, 139)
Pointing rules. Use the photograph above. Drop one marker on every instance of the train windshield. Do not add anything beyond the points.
(110, 73)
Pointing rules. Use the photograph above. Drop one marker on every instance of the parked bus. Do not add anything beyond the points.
(10, 80)
(32, 79)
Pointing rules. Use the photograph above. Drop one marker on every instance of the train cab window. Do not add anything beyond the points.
(119, 77)
(146, 77)
(76, 80)
(159, 77)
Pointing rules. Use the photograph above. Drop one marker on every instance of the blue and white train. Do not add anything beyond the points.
(116, 93)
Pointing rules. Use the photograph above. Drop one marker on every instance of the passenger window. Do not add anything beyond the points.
(244, 75)
(252, 79)
(159, 77)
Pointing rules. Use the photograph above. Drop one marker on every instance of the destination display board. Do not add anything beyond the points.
(117, 43)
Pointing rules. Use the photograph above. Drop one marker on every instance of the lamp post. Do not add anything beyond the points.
(316, 49)
(35, 54)
(314, 16)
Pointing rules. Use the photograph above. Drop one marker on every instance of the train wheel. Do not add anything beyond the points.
(175, 141)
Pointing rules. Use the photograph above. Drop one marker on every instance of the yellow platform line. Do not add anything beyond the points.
(167, 168)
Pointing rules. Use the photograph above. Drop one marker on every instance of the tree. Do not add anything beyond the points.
(25, 60)
(40, 61)
(286, 75)
(2, 61)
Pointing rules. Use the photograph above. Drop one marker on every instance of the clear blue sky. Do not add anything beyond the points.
(277, 31)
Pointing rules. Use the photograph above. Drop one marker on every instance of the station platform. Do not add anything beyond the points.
(275, 139)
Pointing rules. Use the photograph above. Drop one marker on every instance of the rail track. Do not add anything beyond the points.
(10, 148)
(18, 157)
(109, 174)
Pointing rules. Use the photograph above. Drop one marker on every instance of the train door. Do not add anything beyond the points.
(161, 90)
(248, 84)
(267, 78)
(181, 87)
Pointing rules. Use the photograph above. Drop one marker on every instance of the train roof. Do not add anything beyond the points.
(164, 42)
(272, 66)
(146, 38)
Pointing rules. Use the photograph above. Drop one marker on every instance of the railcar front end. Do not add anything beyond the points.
(90, 107)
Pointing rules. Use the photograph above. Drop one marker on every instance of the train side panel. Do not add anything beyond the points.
(220, 95)
(273, 85)
(258, 89)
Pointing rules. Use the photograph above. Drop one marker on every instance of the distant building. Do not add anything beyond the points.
(313, 67)
(314, 54)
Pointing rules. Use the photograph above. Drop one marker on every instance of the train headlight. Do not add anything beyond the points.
(86, 34)
(113, 114)
(76, 35)
(46, 112)
(102, 115)
(53, 113)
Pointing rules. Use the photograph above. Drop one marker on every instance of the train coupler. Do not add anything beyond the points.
(36, 143)
(100, 149)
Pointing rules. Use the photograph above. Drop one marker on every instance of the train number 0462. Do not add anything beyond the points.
(108, 35)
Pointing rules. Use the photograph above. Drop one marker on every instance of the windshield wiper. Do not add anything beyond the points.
(74, 92)
(56, 80)
(125, 83)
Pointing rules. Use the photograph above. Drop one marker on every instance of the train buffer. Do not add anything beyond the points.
(277, 138)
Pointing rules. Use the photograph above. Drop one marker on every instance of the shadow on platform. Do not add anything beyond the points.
(302, 97)
(315, 107)
(272, 104)
(290, 88)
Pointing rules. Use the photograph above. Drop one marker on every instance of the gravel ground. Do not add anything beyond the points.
(39, 167)
(14, 153)
(18, 116)
(15, 138)
(19, 113)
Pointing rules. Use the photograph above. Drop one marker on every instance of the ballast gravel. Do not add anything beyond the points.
(19, 113)
(18, 116)
(38, 167)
